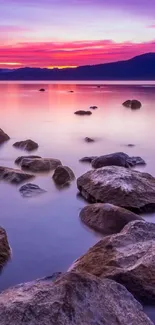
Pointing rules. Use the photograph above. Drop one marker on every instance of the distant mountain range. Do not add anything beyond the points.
(141, 67)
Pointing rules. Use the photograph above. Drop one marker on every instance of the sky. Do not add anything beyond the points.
(62, 33)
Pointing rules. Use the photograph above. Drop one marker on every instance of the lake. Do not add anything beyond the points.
(45, 233)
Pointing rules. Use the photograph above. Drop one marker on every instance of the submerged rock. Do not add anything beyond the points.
(117, 159)
(4, 248)
(87, 139)
(133, 104)
(40, 164)
(30, 190)
(28, 145)
(127, 257)
(14, 176)
(41, 89)
(120, 186)
(73, 299)
(93, 107)
(107, 218)
(63, 175)
(83, 112)
(88, 159)
(18, 161)
(3, 136)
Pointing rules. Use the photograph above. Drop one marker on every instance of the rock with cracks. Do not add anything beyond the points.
(106, 218)
(73, 299)
(127, 257)
(117, 159)
(40, 164)
(14, 176)
(18, 161)
(120, 186)
(30, 190)
(28, 145)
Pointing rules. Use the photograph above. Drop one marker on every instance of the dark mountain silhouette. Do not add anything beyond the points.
(141, 67)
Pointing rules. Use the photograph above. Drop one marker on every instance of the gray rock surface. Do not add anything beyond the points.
(127, 257)
(117, 159)
(40, 164)
(28, 145)
(30, 190)
(119, 186)
(81, 112)
(14, 176)
(73, 299)
(63, 175)
(3, 136)
(19, 159)
(4, 248)
(107, 218)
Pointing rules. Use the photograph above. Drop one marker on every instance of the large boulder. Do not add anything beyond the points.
(107, 218)
(133, 104)
(81, 112)
(28, 145)
(127, 257)
(117, 159)
(14, 176)
(120, 186)
(73, 299)
(40, 164)
(3, 136)
(30, 190)
(63, 175)
(19, 159)
(4, 248)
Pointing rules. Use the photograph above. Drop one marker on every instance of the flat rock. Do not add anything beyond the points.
(93, 107)
(4, 248)
(133, 104)
(73, 299)
(88, 159)
(30, 190)
(3, 136)
(40, 164)
(14, 176)
(28, 145)
(63, 175)
(120, 186)
(18, 161)
(127, 257)
(81, 112)
(117, 159)
(107, 218)
(87, 139)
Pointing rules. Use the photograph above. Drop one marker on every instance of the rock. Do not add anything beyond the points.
(73, 299)
(3, 136)
(40, 164)
(83, 112)
(130, 145)
(120, 186)
(28, 145)
(71, 91)
(117, 159)
(41, 89)
(4, 248)
(127, 257)
(63, 175)
(93, 107)
(88, 159)
(89, 139)
(18, 161)
(30, 190)
(107, 218)
(133, 104)
(14, 176)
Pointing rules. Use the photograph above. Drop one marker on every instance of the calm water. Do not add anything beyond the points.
(45, 233)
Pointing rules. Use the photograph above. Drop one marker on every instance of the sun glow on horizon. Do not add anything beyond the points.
(10, 63)
(63, 67)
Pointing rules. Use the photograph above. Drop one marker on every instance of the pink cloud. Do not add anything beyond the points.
(151, 26)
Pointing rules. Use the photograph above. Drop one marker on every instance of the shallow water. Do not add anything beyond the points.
(45, 233)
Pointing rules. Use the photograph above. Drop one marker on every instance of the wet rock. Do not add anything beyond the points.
(14, 176)
(120, 186)
(130, 145)
(71, 91)
(133, 104)
(4, 248)
(41, 89)
(3, 136)
(88, 159)
(40, 164)
(83, 112)
(117, 159)
(18, 161)
(63, 175)
(73, 299)
(127, 257)
(93, 107)
(28, 145)
(89, 139)
(107, 218)
(30, 190)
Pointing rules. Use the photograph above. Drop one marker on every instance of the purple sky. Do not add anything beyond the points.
(73, 32)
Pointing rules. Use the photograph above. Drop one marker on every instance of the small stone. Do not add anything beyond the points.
(28, 145)
(30, 190)
(63, 175)
(93, 107)
(41, 89)
(89, 139)
(133, 104)
(83, 112)
(3, 136)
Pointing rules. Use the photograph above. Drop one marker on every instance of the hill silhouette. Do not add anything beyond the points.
(141, 67)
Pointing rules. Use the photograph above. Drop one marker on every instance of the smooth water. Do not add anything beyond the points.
(45, 232)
